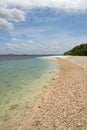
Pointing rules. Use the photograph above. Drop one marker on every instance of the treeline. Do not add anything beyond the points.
(80, 50)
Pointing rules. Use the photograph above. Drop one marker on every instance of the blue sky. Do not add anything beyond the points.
(35, 27)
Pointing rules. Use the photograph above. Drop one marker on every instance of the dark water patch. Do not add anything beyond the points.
(14, 106)
(45, 86)
(6, 117)
(16, 57)
(27, 106)
(8, 85)
(6, 102)
(4, 95)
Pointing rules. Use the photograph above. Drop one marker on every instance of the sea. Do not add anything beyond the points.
(23, 79)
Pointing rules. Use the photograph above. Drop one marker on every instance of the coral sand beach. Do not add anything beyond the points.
(43, 65)
(64, 105)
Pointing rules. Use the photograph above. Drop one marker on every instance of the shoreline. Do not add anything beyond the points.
(78, 60)
(27, 81)
(64, 105)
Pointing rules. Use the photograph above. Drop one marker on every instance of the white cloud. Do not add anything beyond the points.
(16, 15)
(30, 41)
(12, 46)
(19, 45)
(65, 42)
(67, 5)
(15, 39)
(56, 46)
(5, 24)
(10, 15)
(10, 12)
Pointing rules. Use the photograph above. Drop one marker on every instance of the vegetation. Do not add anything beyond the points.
(80, 50)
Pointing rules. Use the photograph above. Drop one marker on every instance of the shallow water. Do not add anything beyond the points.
(21, 83)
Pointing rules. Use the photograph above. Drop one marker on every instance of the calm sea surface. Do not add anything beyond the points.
(22, 80)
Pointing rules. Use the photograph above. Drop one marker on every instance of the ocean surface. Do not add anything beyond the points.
(22, 80)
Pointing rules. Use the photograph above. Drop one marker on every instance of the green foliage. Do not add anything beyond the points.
(80, 50)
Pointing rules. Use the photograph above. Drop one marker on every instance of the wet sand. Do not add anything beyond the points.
(64, 105)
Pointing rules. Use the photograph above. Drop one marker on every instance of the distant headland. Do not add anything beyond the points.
(80, 50)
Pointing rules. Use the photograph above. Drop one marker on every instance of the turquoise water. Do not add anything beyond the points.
(21, 83)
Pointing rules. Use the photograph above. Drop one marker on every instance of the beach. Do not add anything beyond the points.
(22, 81)
(64, 105)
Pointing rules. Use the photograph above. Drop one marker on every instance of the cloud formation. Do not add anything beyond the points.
(4, 24)
(67, 5)
(10, 15)
(12, 11)
(14, 39)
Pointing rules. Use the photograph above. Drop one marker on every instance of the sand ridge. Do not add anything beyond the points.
(64, 105)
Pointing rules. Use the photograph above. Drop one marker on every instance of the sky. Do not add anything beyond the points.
(42, 26)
